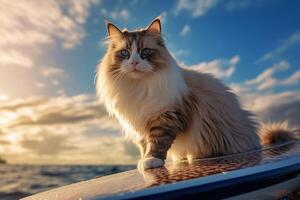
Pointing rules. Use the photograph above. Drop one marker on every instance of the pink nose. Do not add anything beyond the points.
(135, 62)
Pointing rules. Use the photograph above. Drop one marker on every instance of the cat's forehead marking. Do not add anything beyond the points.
(134, 48)
(134, 37)
(142, 39)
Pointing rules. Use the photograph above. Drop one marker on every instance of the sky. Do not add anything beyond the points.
(49, 113)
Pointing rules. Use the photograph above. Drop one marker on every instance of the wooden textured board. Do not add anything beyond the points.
(210, 178)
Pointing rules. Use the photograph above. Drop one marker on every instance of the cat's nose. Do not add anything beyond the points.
(135, 63)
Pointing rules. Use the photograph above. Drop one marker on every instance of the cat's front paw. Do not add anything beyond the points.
(151, 162)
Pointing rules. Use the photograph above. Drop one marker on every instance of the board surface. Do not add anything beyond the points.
(210, 176)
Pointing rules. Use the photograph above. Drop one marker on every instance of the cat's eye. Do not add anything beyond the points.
(125, 53)
(145, 53)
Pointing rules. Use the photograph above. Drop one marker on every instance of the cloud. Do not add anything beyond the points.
(4, 142)
(258, 96)
(268, 106)
(275, 107)
(73, 129)
(197, 8)
(28, 29)
(288, 43)
(288, 111)
(122, 14)
(3, 97)
(185, 30)
(14, 58)
(56, 110)
(40, 85)
(12, 106)
(220, 68)
(52, 71)
(293, 79)
(266, 79)
(48, 143)
(43, 22)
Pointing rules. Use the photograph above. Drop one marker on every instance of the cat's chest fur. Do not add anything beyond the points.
(140, 100)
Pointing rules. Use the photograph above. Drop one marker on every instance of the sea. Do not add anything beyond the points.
(17, 181)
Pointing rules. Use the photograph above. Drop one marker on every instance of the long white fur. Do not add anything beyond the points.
(133, 100)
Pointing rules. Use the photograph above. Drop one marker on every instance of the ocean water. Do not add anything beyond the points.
(17, 181)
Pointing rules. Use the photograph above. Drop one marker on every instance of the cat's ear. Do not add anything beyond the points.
(155, 26)
(112, 30)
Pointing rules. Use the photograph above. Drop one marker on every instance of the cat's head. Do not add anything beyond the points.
(136, 54)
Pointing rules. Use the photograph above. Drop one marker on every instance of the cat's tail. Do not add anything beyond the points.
(271, 133)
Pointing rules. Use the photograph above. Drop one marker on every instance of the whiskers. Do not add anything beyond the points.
(118, 74)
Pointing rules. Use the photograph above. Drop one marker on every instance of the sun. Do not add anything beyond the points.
(7, 117)
(3, 97)
(13, 138)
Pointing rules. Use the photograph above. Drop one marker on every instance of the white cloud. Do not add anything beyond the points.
(28, 29)
(266, 79)
(185, 30)
(197, 7)
(273, 107)
(12, 57)
(122, 14)
(258, 96)
(40, 85)
(268, 73)
(71, 129)
(269, 106)
(293, 79)
(3, 97)
(291, 41)
(265, 102)
(43, 22)
(55, 82)
(220, 68)
(283, 106)
(52, 71)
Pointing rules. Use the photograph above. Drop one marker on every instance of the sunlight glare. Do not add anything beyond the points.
(7, 117)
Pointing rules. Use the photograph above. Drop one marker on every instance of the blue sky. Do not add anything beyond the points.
(50, 50)
(249, 30)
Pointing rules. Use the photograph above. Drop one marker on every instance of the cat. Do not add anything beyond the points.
(169, 110)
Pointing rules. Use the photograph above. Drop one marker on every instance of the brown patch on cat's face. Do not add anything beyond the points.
(128, 48)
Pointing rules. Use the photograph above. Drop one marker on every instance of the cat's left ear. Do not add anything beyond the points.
(155, 26)
(112, 30)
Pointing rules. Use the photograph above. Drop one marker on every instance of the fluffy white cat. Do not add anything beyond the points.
(168, 109)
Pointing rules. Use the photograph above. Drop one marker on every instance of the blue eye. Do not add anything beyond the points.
(145, 52)
(125, 53)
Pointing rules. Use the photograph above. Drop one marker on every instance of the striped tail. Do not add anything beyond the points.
(271, 133)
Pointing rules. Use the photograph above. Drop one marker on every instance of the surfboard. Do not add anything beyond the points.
(266, 173)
